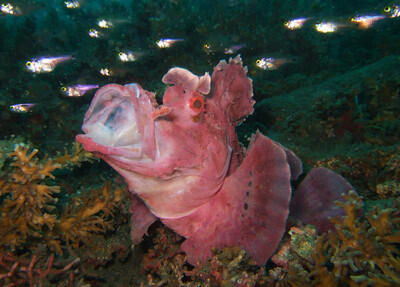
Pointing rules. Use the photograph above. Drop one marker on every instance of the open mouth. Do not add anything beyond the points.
(111, 118)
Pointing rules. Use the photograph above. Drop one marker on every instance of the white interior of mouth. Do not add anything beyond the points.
(112, 121)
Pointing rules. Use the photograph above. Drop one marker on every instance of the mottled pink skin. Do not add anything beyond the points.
(314, 201)
(249, 211)
(187, 165)
(181, 161)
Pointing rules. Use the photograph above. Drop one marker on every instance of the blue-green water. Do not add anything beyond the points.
(330, 96)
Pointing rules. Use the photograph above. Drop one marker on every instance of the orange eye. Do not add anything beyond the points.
(197, 103)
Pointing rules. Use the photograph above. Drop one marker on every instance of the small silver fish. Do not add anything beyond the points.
(327, 27)
(295, 23)
(167, 43)
(393, 11)
(45, 64)
(21, 108)
(108, 72)
(271, 63)
(128, 56)
(8, 8)
(105, 24)
(72, 4)
(366, 21)
(93, 33)
(233, 49)
(77, 90)
(207, 48)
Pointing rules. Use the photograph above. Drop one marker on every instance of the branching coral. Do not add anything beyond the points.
(166, 266)
(88, 215)
(362, 252)
(75, 157)
(26, 210)
(27, 204)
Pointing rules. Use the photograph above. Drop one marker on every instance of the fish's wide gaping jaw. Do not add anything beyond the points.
(110, 124)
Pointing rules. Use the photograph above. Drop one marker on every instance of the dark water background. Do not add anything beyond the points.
(48, 28)
(335, 100)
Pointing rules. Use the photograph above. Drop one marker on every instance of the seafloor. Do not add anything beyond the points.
(64, 215)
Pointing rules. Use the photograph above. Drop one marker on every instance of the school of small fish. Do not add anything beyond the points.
(47, 64)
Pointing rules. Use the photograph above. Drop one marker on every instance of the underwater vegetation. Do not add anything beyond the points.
(227, 267)
(28, 211)
(362, 251)
(326, 79)
(32, 222)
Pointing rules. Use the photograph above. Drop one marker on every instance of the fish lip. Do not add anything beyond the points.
(110, 152)
(110, 122)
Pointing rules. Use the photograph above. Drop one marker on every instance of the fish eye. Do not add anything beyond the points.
(387, 9)
(28, 64)
(120, 54)
(197, 104)
(258, 61)
(63, 89)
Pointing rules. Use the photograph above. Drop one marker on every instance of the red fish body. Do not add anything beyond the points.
(183, 162)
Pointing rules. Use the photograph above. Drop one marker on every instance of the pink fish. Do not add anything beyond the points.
(314, 202)
(183, 162)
